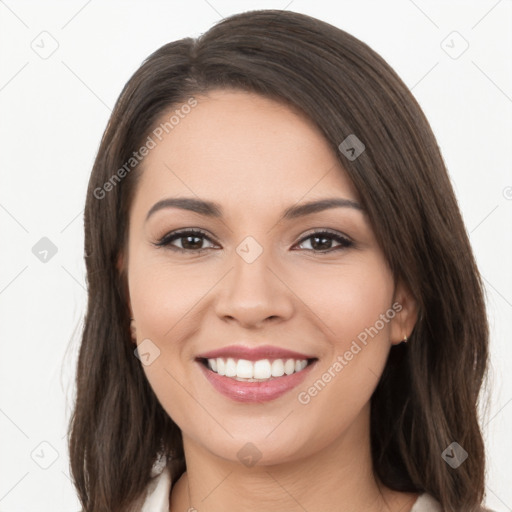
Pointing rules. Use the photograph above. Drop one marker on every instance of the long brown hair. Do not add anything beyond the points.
(429, 392)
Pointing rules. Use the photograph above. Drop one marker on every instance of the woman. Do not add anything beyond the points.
(284, 309)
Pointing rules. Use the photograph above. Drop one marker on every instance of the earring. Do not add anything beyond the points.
(132, 329)
(405, 339)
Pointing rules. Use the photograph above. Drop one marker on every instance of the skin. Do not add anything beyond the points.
(256, 157)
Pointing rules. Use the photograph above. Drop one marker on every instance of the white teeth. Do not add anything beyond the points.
(221, 366)
(278, 368)
(253, 371)
(289, 366)
(230, 367)
(300, 365)
(262, 369)
(244, 369)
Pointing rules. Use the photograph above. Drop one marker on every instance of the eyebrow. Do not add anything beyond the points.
(214, 210)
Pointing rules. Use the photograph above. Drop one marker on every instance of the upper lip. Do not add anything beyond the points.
(254, 353)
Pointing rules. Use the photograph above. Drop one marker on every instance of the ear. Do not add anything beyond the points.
(406, 316)
(121, 268)
(120, 262)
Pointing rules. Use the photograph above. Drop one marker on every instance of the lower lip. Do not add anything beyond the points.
(251, 392)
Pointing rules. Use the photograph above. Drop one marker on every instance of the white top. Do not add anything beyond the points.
(159, 488)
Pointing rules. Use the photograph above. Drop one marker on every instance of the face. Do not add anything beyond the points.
(298, 310)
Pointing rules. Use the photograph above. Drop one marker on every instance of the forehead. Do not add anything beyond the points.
(240, 147)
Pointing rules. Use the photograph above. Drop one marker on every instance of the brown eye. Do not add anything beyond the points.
(190, 240)
(321, 241)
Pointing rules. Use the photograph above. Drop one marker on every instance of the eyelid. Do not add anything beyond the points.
(165, 240)
(344, 241)
(334, 233)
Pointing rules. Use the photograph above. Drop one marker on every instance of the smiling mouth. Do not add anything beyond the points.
(262, 370)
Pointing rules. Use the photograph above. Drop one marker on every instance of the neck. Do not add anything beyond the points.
(339, 477)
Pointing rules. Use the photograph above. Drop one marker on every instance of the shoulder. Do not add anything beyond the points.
(156, 497)
(427, 503)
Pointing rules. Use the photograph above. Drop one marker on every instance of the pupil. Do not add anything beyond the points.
(322, 245)
(197, 245)
(324, 242)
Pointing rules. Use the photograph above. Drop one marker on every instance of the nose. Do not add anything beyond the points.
(253, 294)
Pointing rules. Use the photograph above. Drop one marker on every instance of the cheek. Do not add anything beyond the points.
(166, 301)
(355, 312)
(358, 312)
(350, 300)
(162, 296)
(163, 299)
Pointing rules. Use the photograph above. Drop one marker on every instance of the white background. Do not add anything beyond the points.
(54, 111)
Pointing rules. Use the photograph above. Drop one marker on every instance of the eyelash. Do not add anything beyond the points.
(166, 240)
